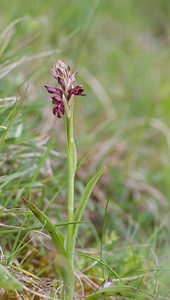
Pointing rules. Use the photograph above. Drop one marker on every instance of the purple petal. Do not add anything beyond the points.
(61, 82)
(77, 90)
(53, 71)
(59, 92)
(56, 100)
(59, 109)
(73, 91)
(72, 79)
(55, 110)
(68, 71)
(58, 115)
(52, 90)
(77, 87)
(70, 93)
(80, 94)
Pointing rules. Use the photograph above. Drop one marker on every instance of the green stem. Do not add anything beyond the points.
(72, 164)
(70, 193)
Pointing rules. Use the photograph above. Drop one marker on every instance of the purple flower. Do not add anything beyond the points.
(72, 79)
(66, 80)
(52, 90)
(59, 69)
(59, 106)
(77, 90)
(61, 83)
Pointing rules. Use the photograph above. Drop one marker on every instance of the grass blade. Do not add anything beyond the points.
(10, 123)
(120, 291)
(102, 235)
(23, 229)
(101, 263)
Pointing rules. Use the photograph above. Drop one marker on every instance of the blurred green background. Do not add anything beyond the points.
(121, 50)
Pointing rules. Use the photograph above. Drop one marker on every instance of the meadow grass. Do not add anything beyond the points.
(120, 49)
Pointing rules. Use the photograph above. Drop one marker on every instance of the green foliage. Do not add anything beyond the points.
(7, 280)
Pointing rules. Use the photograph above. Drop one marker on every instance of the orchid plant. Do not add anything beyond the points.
(64, 104)
(63, 99)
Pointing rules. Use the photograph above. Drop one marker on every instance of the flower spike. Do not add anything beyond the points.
(66, 80)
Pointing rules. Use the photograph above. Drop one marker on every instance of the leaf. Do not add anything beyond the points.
(84, 198)
(119, 290)
(10, 123)
(86, 194)
(62, 260)
(8, 178)
(6, 30)
(23, 229)
(8, 281)
(102, 263)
